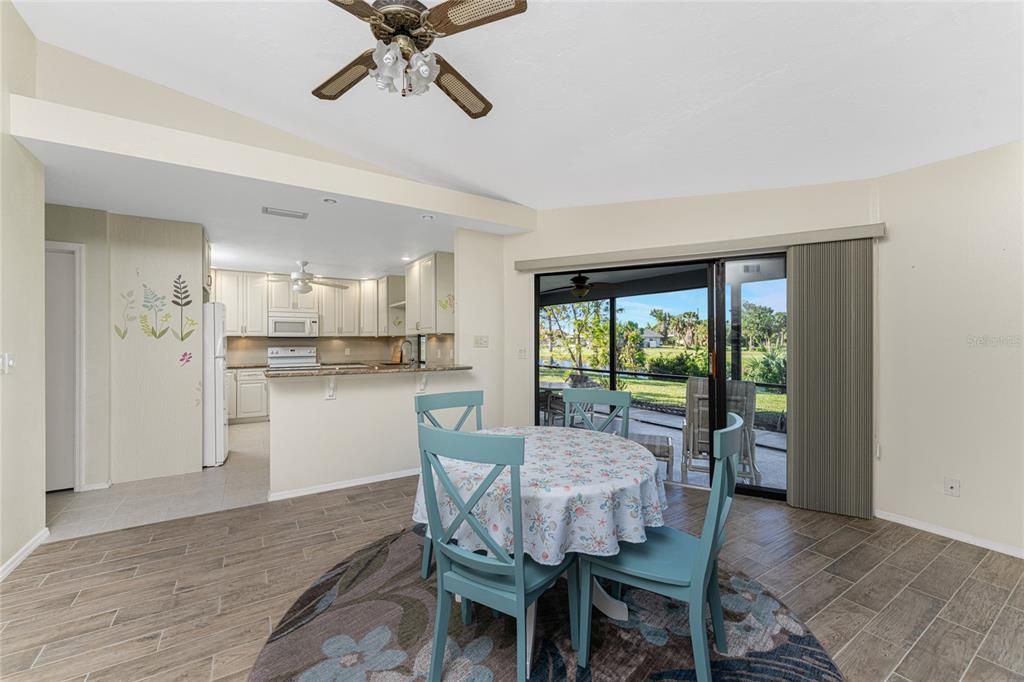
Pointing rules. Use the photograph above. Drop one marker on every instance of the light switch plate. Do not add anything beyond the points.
(481, 341)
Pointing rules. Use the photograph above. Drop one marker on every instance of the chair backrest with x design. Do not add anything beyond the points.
(470, 400)
(483, 448)
(579, 401)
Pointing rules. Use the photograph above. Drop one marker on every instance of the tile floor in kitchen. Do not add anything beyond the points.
(242, 481)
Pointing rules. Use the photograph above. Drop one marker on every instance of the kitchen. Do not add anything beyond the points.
(292, 341)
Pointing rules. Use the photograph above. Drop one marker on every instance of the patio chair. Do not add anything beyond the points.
(579, 404)
(425, 405)
(740, 398)
(675, 564)
(509, 583)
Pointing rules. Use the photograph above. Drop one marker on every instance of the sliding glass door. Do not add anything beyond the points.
(689, 341)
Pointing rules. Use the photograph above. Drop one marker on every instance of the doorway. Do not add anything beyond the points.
(64, 366)
(689, 341)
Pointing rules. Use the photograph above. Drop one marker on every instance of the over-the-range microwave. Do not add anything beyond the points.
(293, 324)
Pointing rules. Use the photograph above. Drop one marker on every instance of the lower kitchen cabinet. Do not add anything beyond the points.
(248, 400)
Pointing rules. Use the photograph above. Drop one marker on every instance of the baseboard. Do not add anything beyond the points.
(337, 485)
(20, 555)
(92, 486)
(952, 534)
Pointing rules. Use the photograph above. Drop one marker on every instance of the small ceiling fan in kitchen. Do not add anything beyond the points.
(404, 29)
(581, 286)
(303, 281)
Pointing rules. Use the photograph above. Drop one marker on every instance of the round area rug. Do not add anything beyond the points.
(371, 617)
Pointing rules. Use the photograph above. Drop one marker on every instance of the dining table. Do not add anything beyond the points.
(582, 491)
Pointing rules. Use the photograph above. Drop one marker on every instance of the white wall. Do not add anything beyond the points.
(950, 269)
(22, 288)
(89, 227)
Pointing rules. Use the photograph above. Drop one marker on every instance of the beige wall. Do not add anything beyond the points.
(156, 425)
(88, 227)
(950, 269)
(77, 81)
(22, 398)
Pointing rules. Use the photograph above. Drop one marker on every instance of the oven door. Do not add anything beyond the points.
(293, 326)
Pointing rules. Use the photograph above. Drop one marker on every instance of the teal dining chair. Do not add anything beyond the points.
(471, 401)
(580, 401)
(508, 583)
(676, 564)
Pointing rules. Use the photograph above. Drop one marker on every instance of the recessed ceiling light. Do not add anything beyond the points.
(427, 217)
(329, 200)
(406, 258)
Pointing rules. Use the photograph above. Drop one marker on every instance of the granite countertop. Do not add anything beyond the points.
(345, 370)
(261, 365)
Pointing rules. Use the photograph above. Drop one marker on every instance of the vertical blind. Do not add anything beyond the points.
(829, 377)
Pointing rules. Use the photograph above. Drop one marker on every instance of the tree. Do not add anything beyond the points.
(629, 346)
(662, 321)
(762, 327)
(685, 328)
(580, 328)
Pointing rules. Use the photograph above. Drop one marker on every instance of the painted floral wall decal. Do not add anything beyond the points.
(181, 298)
(154, 303)
(184, 358)
(127, 313)
(447, 302)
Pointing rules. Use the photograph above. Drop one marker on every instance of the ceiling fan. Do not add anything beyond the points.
(302, 281)
(404, 29)
(581, 286)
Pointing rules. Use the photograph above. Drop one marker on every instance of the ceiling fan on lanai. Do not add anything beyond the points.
(581, 286)
(404, 29)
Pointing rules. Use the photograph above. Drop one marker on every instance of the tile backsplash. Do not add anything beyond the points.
(252, 350)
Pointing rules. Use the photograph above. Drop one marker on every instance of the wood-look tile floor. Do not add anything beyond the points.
(195, 598)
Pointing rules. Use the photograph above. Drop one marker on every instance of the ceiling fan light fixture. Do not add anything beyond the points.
(394, 73)
(302, 287)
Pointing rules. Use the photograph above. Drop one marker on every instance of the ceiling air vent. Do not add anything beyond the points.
(285, 213)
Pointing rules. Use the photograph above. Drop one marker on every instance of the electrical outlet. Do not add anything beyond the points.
(951, 486)
(522, 353)
(348, 351)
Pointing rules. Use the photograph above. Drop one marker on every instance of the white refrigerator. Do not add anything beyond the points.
(215, 406)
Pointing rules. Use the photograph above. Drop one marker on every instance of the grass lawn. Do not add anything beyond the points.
(665, 392)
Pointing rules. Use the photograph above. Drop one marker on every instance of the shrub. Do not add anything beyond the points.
(770, 368)
(688, 362)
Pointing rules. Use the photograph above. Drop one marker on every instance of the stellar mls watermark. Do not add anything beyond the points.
(995, 341)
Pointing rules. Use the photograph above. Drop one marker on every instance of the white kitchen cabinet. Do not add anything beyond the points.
(231, 392)
(282, 299)
(207, 272)
(251, 400)
(339, 308)
(244, 295)
(368, 307)
(391, 306)
(430, 294)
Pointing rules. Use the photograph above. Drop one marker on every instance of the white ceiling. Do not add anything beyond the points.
(353, 238)
(598, 102)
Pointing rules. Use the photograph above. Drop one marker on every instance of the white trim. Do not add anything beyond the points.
(78, 251)
(22, 553)
(92, 486)
(337, 485)
(684, 252)
(952, 534)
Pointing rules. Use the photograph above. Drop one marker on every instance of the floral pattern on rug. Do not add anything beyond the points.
(371, 618)
(582, 491)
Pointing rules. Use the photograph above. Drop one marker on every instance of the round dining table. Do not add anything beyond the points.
(582, 491)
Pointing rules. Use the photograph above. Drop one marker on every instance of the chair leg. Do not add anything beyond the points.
(715, 605)
(573, 575)
(467, 612)
(521, 655)
(699, 638)
(444, 610)
(586, 587)
(425, 565)
(616, 591)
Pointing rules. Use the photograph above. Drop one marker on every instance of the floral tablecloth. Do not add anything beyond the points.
(582, 491)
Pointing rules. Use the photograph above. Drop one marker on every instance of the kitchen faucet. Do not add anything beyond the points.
(402, 350)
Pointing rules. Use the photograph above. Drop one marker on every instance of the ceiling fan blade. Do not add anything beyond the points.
(455, 16)
(360, 9)
(350, 74)
(329, 283)
(453, 84)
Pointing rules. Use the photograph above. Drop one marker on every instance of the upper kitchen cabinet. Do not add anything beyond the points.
(368, 307)
(391, 306)
(339, 308)
(244, 295)
(430, 294)
(207, 271)
(283, 300)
